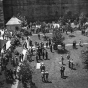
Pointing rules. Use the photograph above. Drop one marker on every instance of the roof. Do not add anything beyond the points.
(86, 23)
(13, 21)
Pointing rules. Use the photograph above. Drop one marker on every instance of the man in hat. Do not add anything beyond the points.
(47, 44)
(43, 54)
(43, 76)
(38, 36)
(68, 56)
(46, 55)
(22, 56)
(46, 76)
(30, 43)
(62, 71)
(37, 58)
(51, 47)
(15, 74)
(71, 61)
(42, 67)
(74, 44)
(39, 55)
(62, 60)
(80, 43)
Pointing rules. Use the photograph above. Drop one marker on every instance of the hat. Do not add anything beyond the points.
(46, 72)
(61, 56)
(42, 63)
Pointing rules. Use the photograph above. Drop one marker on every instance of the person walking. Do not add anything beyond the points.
(46, 55)
(68, 56)
(47, 44)
(62, 71)
(39, 55)
(46, 76)
(80, 43)
(43, 76)
(71, 61)
(38, 36)
(30, 43)
(62, 60)
(42, 67)
(37, 58)
(74, 44)
(22, 56)
(43, 54)
(15, 74)
(51, 47)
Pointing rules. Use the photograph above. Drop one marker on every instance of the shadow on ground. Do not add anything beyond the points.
(71, 36)
(60, 51)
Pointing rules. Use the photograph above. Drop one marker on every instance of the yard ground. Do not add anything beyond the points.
(77, 78)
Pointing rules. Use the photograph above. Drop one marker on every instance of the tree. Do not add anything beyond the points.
(57, 37)
(15, 42)
(82, 18)
(84, 56)
(67, 16)
(26, 73)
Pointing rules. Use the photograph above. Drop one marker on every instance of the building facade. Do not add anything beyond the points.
(43, 10)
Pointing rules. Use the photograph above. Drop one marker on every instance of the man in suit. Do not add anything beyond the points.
(43, 76)
(43, 54)
(62, 71)
(62, 60)
(42, 67)
(51, 47)
(46, 76)
(46, 55)
(71, 61)
(38, 36)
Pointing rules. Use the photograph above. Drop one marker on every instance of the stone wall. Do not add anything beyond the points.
(1, 15)
(42, 9)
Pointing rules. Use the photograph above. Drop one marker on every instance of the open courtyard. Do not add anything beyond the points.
(76, 78)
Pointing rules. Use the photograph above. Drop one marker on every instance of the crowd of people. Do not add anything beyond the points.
(41, 51)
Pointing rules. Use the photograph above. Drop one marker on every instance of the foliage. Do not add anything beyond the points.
(26, 71)
(15, 42)
(82, 18)
(67, 15)
(25, 32)
(19, 34)
(57, 37)
(84, 56)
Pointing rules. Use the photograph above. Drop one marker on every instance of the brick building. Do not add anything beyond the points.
(44, 10)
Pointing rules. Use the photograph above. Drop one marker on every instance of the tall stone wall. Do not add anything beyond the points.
(1, 14)
(42, 9)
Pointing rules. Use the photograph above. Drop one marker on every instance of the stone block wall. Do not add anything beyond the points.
(44, 10)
